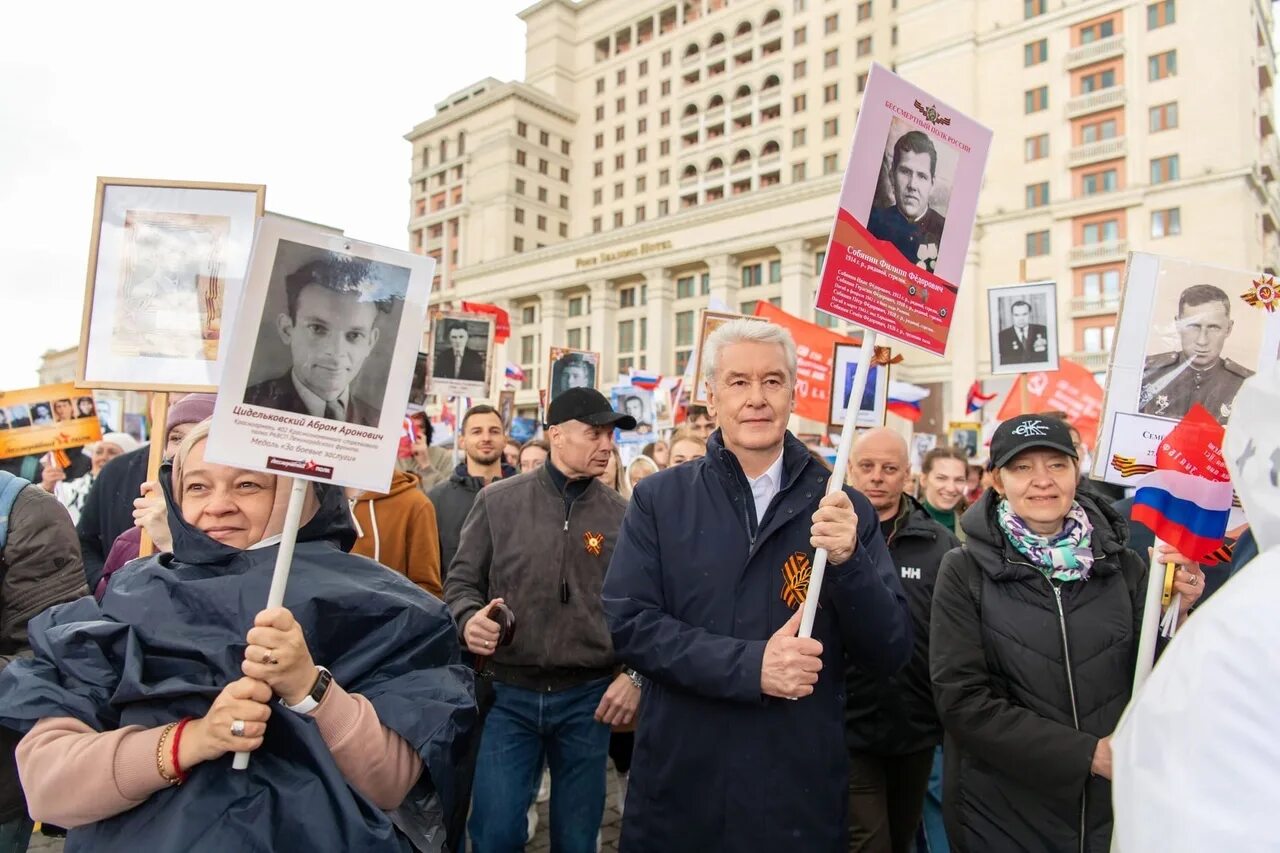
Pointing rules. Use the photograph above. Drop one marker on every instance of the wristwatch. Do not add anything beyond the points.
(312, 700)
(636, 678)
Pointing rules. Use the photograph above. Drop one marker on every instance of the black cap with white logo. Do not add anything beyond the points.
(1027, 432)
(589, 406)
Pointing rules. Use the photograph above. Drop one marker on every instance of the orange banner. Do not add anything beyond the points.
(815, 346)
(51, 417)
(1071, 389)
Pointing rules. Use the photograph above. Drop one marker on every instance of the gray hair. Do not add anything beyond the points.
(746, 331)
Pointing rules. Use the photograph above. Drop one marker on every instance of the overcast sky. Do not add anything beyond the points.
(311, 99)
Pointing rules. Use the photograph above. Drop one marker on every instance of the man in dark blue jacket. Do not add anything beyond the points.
(740, 744)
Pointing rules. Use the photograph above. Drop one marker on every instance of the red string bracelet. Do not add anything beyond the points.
(173, 754)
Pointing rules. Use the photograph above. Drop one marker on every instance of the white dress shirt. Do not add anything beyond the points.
(764, 487)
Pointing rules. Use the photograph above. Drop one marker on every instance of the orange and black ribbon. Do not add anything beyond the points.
(795, 579)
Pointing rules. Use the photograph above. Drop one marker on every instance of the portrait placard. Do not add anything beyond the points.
(966, 435)
(507, 408)
(875, 397)
(321, 357)
(1023, 321)
(708, 322)
(571, 368)
(165, 259)
(1187, 333)
(461, 354)
(921, 443)
(51, 417)
(907, 207)
(638, 403)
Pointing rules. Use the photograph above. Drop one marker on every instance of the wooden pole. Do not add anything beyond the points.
(1022, 380)
(159, 416)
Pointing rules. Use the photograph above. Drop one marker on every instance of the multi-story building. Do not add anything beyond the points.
(658, 156)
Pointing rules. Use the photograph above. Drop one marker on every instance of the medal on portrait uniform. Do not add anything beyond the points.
(1162, 403)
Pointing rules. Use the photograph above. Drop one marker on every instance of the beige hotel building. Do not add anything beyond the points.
(661, 154)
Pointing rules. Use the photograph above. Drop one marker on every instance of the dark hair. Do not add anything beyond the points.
(1202, 294)
(916, 142)
(535, 442)
(938, 453)
(451, 325)
(1024, 303)
(479, 409)
(697, 412)
(341, 275)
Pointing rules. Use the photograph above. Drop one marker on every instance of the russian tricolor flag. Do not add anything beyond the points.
(904, 400)
(515, 373)
(646, 381)
(1186, 501)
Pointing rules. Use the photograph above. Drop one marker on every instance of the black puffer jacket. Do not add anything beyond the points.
(453, 499)
(1027, 676)
(895, 715)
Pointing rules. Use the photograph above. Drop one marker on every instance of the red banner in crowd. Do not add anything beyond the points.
(501, 321)
(815, 347)
(1071, 389)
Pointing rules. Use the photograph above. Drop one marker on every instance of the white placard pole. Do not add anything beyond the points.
(835, 483)
(284, 561)
(1150, 629)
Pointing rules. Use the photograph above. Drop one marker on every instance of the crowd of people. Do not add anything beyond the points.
(545, 609)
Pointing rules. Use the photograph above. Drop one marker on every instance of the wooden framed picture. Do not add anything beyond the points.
(875, 397)
(165, 258)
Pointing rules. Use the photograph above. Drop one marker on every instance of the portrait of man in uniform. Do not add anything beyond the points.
(1196, 372)
(1023, 342)
(910, 223)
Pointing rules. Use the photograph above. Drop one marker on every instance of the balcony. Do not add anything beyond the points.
(1094, 362)
(1095, 102)
(1096, 152)
(1266, 67)
(1102, 303)
(1097, 51)
(690, 120)
(690, 59)
(1112, 251)
(1266, 117)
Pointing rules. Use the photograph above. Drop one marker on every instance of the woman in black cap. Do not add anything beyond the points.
(1033, 643)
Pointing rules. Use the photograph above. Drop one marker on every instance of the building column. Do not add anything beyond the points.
(724, 281)
(797, 279)
(552, 308)
(660, 347)
(604, 330)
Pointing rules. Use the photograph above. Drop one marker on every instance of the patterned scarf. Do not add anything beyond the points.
(1066, 556)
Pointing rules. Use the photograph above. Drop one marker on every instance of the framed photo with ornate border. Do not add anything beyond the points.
(165, 259)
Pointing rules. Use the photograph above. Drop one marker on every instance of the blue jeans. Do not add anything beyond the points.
(933, 831)
(15, 835)
(524, 728)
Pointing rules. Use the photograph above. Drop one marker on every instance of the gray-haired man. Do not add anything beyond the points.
(703, 597)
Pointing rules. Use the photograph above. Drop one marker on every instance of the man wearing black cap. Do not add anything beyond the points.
(538, 544)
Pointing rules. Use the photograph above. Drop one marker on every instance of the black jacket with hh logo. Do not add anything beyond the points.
(694, 592)
(894, 714)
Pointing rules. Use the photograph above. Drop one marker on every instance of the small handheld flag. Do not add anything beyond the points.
(1186, 501)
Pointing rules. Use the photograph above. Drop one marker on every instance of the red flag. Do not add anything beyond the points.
(502, 321)
(1071, 389)
(815, 348)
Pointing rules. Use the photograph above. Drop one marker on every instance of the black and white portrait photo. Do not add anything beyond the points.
(327, 334)
(571, 368)
(1024, 327)
(461, 347)
(911, 203)
(1187, 358)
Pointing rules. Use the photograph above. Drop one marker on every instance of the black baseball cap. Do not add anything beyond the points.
(589, 406)
(1026, 432)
